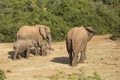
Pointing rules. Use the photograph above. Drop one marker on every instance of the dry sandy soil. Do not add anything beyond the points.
(103, 57)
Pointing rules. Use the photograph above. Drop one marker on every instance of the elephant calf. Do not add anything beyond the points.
(44, 49)
(23, 46)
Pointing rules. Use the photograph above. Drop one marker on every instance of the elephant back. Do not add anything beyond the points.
(28, 32)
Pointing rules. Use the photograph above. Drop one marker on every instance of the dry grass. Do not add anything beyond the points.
(103, 57)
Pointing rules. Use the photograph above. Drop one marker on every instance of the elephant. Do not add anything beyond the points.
(44, 49)
(76, 42)
(37, 33)
(23, 46)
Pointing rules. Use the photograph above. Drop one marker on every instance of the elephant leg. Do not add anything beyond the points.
(84, 53)
(18, 56)
(42, 52)
(45, 52)
(69, 50)
(82, 57)
(36, 51)
(27, 52)
(70, 53)
(75, 58)
(15, 56)
(49, 51)
(70, 57)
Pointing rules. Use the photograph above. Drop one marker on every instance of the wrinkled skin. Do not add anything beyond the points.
(76, 42)
(22, 46)
(37, 33)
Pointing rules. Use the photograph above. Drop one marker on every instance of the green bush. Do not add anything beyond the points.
(2, 75)
(60, 15)
(116, 33)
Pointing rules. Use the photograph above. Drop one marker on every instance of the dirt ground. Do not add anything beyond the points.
(103, 57)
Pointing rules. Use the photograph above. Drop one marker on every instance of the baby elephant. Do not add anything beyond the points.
(44, 49)
(23, 46)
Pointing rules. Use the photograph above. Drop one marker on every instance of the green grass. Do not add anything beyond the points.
(60, 75)
(2, 75)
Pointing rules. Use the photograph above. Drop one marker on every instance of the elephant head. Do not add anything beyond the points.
(46, 33)
(90, 32)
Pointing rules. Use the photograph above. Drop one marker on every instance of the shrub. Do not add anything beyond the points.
(2, 75)
(102, 15)
(116, 33)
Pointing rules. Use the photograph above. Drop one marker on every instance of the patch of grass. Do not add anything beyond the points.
(81, 76)
(75, 76)
(2, 75)
(57, 76)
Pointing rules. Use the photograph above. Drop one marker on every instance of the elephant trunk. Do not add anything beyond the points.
(49, 39)
(49, 43)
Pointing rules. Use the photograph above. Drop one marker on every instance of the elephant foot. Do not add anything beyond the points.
(27, 56)
(85, 58)
(70, 63)
(74, 64)
(36, 54)
(81, 61)
(14, 58)
(19, 57)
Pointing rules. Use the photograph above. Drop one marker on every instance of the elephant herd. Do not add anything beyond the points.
(33, 36)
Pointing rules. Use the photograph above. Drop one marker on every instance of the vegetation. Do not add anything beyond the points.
(75, 76)
(116, 33)
(60, 15)
(2, 75)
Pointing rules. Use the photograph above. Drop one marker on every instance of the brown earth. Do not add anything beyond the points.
(103, 57)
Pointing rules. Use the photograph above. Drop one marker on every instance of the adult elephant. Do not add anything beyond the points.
(76, 41)
(37, 33)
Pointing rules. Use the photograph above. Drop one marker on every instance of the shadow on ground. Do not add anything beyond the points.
(11, 53)
(62, 60)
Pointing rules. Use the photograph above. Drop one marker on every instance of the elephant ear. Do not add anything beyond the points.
(89, 29)
(42, 30)
(90, 32)
(47, 29)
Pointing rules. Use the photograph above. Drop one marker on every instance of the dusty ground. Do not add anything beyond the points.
(103, 57)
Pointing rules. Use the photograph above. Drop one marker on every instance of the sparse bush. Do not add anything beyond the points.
(2, 75)
(81, 76)
(57, 76)
(75, 76)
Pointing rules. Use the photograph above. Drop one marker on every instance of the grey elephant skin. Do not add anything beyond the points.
(22, 46)
(76, 42)
(37, 33)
